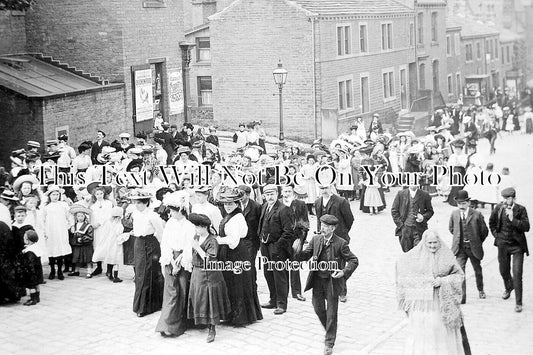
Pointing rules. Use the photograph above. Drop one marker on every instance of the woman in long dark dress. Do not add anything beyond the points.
(245, 306)
(176, 265)
(457, 164)
(10, 266)
(147, 226)
(208, 297)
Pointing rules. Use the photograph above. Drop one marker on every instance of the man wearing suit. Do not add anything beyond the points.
(97, 146)
(276, 231)
(166, 141)
(301, 227)
(469, 232)
(252, 212)
(508, 224)
(411, 211)
(328, 247)
(329, 203)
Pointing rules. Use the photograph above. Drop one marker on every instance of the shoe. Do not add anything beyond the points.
(96, 272)
(52, 275)
(343, 299)
(300, 298)
(60, 275)
(518, 308)
(268, 305)
(328, 350)
(506, 294)
(116, 280)
(33, 300)
(211, 336)
(76, 273)
(89, 276)
(482, 295)
(279, 311)
(463, 301)
(109, 276)
(140, 315)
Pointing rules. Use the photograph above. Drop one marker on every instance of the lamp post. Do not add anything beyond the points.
(280, 77)
(185, 60)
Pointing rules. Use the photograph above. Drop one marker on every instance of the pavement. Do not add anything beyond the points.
(94, 316)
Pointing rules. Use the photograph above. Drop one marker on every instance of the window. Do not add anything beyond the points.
(435, 75)
(411, 34)
(205, 90)
(345, 95)
(343, 40)
(457, 44)
(478, 50)
(450, 85)
(365, 98)
(458, 83)
(203, 49)
(468, 49)
(363, 39)
(434, 29)
(388, 84)
(420, 27)
(448, 46)
(487, 46)
(386, 36)
(508, 54)
(422, 76)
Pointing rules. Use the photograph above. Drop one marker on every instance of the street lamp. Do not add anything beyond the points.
(185, 61)
(280, 77)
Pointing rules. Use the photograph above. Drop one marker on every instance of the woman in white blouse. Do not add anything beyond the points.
(147, 231)
(245, 307)
(176, 265)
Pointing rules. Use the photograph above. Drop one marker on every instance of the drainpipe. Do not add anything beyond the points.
(313, 19)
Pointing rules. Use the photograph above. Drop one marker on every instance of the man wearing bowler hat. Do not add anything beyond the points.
(276, 231)
(327, 248)
(469, 232)
(508, 224)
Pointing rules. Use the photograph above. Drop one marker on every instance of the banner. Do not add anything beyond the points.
(144, 100)
(175, 94)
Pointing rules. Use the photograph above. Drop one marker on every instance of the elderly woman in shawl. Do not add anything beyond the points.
(429, 291)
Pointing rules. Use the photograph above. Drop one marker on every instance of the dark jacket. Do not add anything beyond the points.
(97, 149)
(252, 213)
(520, 224)
(340, 208)
(301, 218)
(279, 227)
(400, 209)
(475, 227)
(340, 252)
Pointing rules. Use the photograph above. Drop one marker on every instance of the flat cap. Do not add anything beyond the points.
(508, 192)
(199, 219)
(329, 219)
(269, 188)
(245, 188)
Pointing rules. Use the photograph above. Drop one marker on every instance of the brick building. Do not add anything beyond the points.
(455, 59)
(343, 58)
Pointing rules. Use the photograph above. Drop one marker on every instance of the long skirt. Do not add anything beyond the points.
(455, 189)
(128, 248)
(208, 297)
(245, 306)
(82, 254)
(173, 317)
(149, 282)
(365, 208)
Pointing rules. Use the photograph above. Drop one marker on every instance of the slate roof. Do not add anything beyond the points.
(352, 7)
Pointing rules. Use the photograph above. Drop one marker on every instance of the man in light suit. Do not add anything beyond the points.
(327, 247)
(469, 232)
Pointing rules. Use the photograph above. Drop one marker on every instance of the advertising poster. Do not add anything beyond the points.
(175, 85)
(144, 101)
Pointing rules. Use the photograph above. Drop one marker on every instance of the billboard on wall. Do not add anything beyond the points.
(175, 94)
(144, 100)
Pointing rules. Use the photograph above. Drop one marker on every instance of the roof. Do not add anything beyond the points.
(431, 2)
(453, 22)
(507, 35)
(349, 7)
(32, 77)
(471, 27)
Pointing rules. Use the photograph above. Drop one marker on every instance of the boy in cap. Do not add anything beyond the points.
(241, 136)
(97, 146)
(327, 248)
(508, 224)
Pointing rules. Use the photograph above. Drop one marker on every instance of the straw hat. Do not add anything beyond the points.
(91, 186)
(53, 188)
(140, 195)
(75, 208)
(22, 179)
(9, 195)
(230, 195)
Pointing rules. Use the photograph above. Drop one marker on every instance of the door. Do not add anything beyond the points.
(403, 89)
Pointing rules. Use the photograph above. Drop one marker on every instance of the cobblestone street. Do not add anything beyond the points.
(95, 317)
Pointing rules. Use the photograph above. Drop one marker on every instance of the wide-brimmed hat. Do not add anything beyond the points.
(93, 185)
(407, 134)
(458, 143)
(53, 188)
(203, 189)
(230, 195)
(135, 163)
(9, 195)
(198, 144)
(76, 208)
(199, 219)
(124, 135)
(437, 136)
(33, 144)
(22, 179)
(183, 149)
(52, 142)
(462, 195)
(140, 194)
(135, 150)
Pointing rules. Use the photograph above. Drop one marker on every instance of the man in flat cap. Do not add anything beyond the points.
(508, 224)
(276, 231)
(97, 146)
(327, 248)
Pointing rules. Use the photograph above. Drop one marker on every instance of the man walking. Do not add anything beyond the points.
(508, 223)
(469, 232)
(328, 247)
(411, 211)
(276, 230)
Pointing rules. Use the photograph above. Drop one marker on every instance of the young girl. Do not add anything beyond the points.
(101, 210)
(208, 297)
(81, 236)
(113, 228)
(56, 222)
(33, 268)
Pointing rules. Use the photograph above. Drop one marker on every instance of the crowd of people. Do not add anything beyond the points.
(170, 231)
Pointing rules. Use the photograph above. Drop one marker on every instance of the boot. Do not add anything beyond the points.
(52, 269)
(98, 269)
(33, 300)
(60, 269)
(109, 272)
(38, 296)
(211, 334)
(115, 278)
